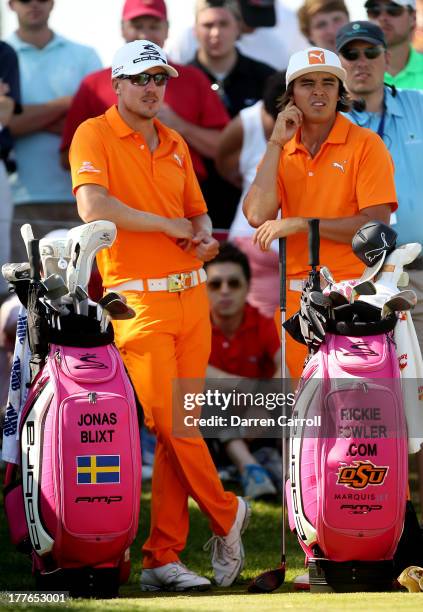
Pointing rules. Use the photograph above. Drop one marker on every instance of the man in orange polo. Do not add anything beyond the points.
(318, 165)
(131, 169)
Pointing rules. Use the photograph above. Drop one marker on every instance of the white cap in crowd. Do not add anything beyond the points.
(139, 56)
(411, 3)
(314, 59)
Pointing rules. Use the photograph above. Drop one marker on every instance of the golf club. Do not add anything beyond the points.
(319, 299)
(364, 288)
(85, 241)
(327, 275)
(55, 255)
(402, 301)
(272, 579)
(337, 298)
(27, 235)
(15, 272)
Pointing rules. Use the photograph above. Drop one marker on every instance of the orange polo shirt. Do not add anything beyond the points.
(352, 170)
(106, 151)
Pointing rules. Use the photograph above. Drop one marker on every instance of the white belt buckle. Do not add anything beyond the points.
(179, 282)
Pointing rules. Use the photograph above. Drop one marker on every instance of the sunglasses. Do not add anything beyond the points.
(393, 10)
(233, 282)
(141, 80)
(352, 54)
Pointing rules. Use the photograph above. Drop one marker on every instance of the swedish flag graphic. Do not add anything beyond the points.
(98, 469)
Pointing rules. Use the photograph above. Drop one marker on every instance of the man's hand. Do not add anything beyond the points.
(178, 228)
(167, 116)
(278, 228)
(206, 247)
(203, 244)
(287, 123)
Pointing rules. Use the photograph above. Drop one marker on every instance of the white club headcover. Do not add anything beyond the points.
(85, 241)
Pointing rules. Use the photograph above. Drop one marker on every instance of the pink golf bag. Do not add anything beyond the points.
(81, 472)
(348, 462)
(347, 490)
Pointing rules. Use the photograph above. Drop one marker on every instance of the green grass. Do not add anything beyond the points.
(262, 541)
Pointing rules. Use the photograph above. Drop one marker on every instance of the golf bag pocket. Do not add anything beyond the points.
(81, 461)
(348, 483)
(14, 509)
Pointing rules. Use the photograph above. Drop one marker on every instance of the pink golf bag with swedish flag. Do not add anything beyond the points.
(81, 473)
(75, 507)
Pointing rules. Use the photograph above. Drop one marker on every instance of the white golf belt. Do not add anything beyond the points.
(160, 284)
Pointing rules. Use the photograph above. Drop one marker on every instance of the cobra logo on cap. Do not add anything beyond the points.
(316, 57)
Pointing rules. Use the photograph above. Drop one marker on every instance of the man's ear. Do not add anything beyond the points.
(413, 21)
(116, 86)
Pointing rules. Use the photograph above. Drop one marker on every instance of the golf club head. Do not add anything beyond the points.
(55, 256)
(15, 272)
(268, 581)
(337, 298)
(85, 241)
(364, 288)
(327, 275)
(119, 310)
(27, 235)
(402, 301)
(80, 301)
(54, 287)
(319, 299)
(109, 297)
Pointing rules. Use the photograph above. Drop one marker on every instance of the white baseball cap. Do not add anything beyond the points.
(139, 56)
(314, 59)
(411, 3)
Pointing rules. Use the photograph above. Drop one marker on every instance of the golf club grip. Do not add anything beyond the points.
(34, 259)
(282, 274)
(313, 242)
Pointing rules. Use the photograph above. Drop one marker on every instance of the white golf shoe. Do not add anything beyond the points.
(172, 577)
(228, 551)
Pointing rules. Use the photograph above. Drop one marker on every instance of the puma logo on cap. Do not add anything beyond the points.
(316, 57)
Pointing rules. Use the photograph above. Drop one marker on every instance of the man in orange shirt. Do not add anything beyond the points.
(318, 165)
(133, 170)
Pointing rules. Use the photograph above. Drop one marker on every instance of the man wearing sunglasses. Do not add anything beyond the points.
(130, 168)
(397, 19)
(396, 115)
(244, 344)
(51, 68)
(317, 164)
(190, 107)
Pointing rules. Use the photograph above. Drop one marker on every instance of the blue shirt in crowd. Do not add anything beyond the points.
(403, 135)
(51, 72)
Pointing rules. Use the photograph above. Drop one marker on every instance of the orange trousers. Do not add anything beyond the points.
(169, 339)
(295, 352)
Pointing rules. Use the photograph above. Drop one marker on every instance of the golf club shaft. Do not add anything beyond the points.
(313, 251)
(34, 259)
(282, 302)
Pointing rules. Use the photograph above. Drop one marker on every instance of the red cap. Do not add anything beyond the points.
(138, 8)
